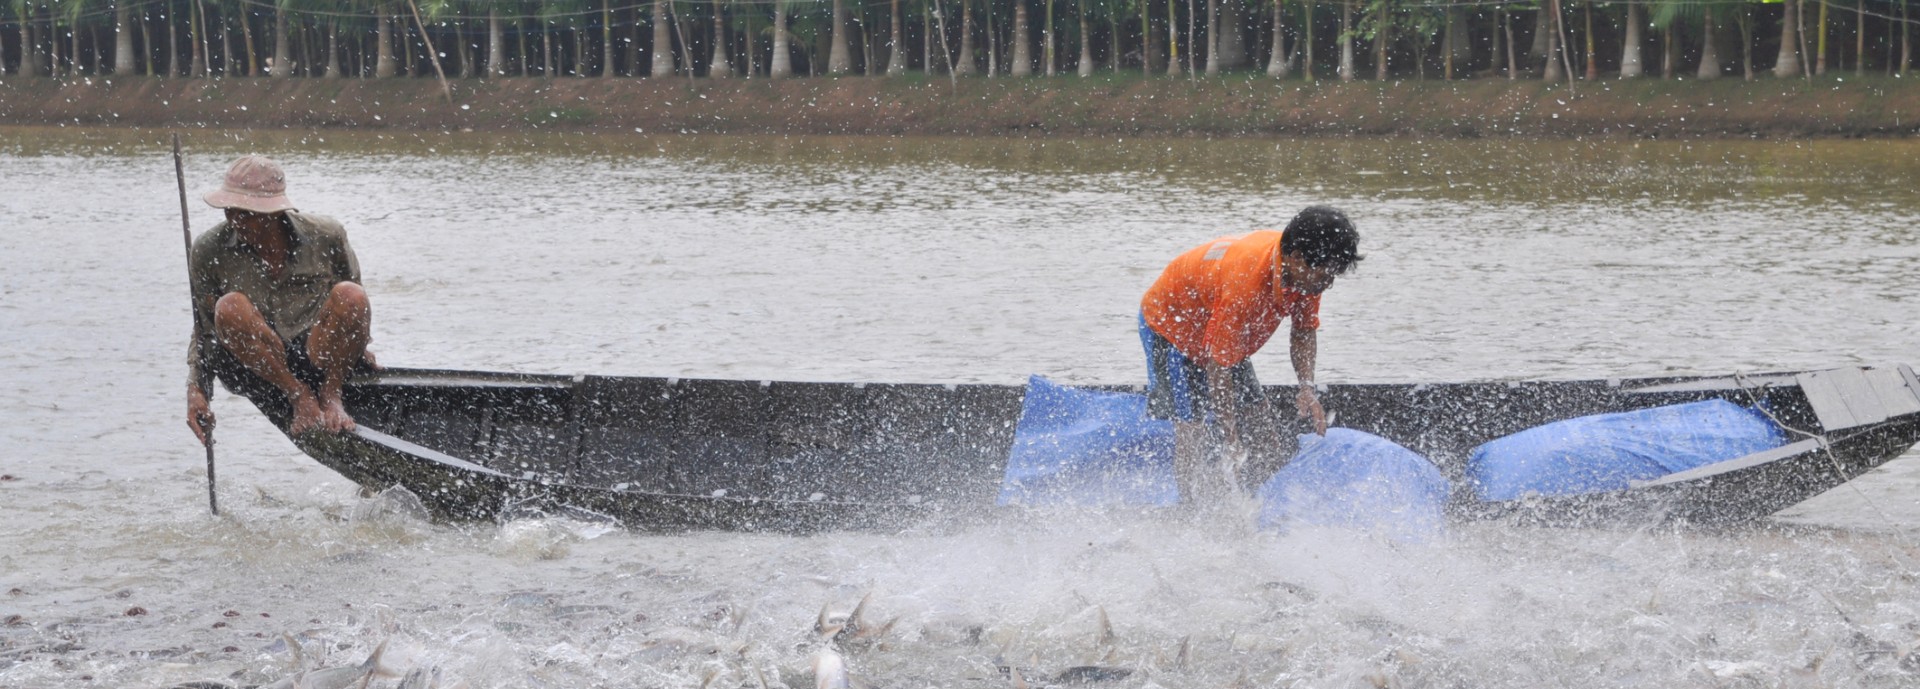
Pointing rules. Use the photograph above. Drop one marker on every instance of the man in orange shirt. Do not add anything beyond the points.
(1216, 305)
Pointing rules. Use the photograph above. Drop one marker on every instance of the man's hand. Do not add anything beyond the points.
(1308, 403)
(367, 356)
(199, 414)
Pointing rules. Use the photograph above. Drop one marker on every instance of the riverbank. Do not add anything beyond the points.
(1128, 105)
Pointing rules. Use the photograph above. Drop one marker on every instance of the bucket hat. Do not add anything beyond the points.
(253, 183)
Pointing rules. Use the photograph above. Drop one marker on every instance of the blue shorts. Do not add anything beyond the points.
(1177, 386)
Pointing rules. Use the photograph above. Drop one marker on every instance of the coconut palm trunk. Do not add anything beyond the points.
(1820, 41)
(1085, 68)
(1709, 55)
(167, 29)
(282, 66)
(1173, 38)
(1380, 50)
(384, 64)
(1859, 37)
(146, 41)
(1347, 69)
(1022, 50)
(662, 41)
(1906, 36)
(333, 53)
(123, 62)
(1551, 72)
(963, 65)
(781, 65)
(1591, 55)
(496, 45)
(1146, 38)
(1047, 43)
(1232, 43)
(197, 33)
(896, 42)
(1213, 37)
(1513, 60)
(1631, 65)
(1279, 62)
(839, 58)
(720, 64)
(1542, 29)
(606, 40)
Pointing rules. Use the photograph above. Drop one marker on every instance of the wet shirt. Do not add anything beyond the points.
(1221, 301)
(318, 257)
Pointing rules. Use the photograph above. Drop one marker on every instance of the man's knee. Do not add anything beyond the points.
(232, 311)
(349, 296)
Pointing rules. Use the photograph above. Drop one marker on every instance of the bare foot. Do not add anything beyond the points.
(307, 416)
(333, 416)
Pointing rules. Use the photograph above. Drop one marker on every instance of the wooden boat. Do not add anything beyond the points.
(674, 454)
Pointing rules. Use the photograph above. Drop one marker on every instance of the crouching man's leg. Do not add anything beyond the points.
(338, 344)
(245, 333)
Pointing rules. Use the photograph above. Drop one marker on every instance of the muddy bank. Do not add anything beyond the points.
(1108, 105)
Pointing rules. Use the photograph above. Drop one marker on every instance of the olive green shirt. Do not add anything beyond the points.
(318, 258)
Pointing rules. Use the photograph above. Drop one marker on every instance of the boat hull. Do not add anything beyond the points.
(676, 454)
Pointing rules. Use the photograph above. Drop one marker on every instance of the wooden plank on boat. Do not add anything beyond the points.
(1708, 384)
(1824, 397)
(1859, 396)
(1895, 397)
(1731, 465)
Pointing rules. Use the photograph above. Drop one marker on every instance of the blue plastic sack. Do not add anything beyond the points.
(1077, 447)
(1607, 452)
(1353, 479)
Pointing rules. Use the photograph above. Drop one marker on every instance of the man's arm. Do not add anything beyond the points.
(1220, 399)
(202, 287)
(1304, 343)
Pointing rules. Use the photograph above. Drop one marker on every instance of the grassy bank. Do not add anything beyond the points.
(1107, 105)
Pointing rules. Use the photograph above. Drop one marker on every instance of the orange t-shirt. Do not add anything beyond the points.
(1221, 301)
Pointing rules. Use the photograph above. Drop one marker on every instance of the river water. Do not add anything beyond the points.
(954, 260)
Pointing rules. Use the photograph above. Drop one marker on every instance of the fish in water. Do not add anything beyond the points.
(1091, 673)
(830, 671)
(427, 678)
(338, 677)
(853, 629)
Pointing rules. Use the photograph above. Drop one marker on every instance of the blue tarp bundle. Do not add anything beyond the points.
(1608, 451)
(1357, 480)
(1077, 447)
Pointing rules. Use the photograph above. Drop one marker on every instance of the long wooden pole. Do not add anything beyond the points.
(186, 232)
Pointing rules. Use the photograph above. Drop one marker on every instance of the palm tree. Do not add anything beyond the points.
(1709, 55)
(1232, 42)
(123, 63)
(780, 66)
(1022, 50)
(1347, 68)
(1675, 12)
(606, 40)
(1820, 41)
(496, 44)
(720, 64)
(896, 42)
(964, 64)
(662, 41)
(1047, 42)
(384, 64)
(1084, 67)
(1279, 61)
(1631, 64)
(839, 59)
(282, 54)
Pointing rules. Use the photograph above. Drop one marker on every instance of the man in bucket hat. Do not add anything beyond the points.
(278, 312)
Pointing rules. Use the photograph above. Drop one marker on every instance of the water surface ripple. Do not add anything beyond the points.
(941, 260)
